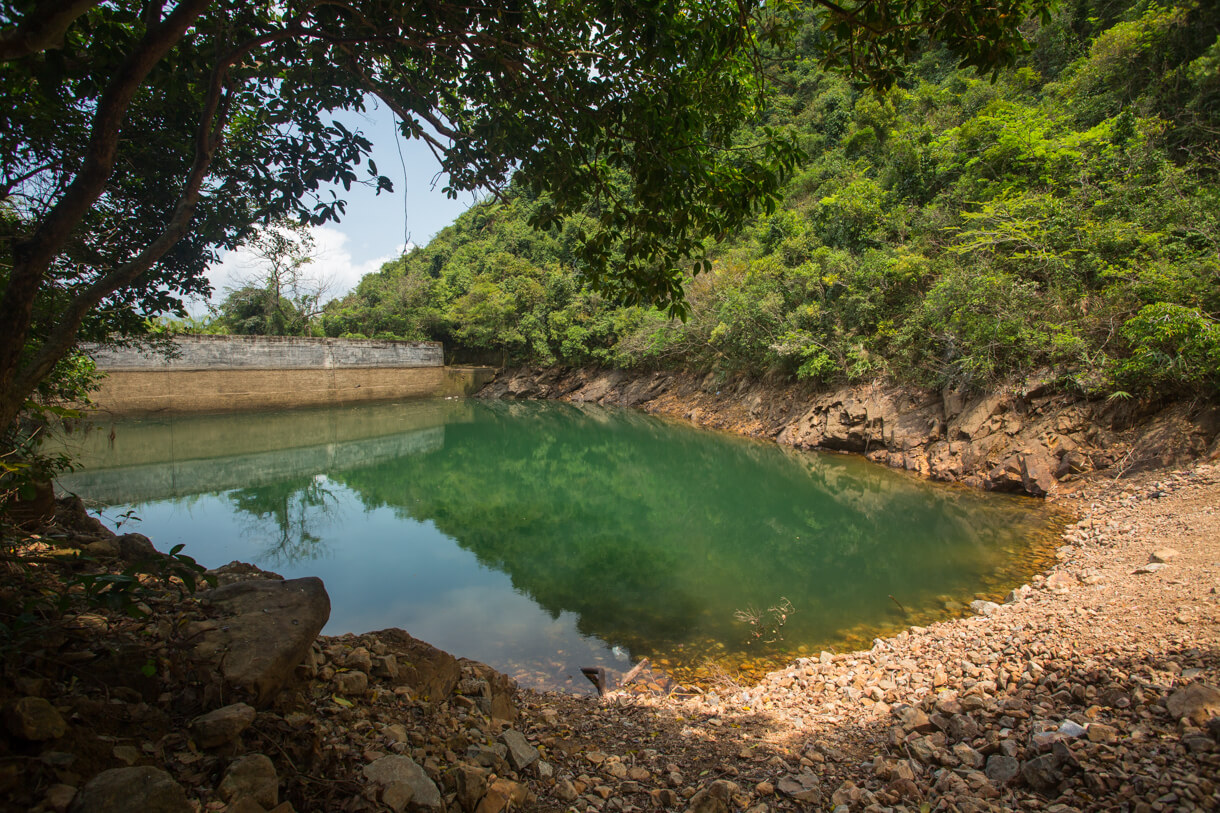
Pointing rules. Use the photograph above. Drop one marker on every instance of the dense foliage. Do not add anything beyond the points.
(140, 137)
(953, 231)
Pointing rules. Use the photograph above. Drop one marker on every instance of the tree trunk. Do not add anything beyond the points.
(33, 256)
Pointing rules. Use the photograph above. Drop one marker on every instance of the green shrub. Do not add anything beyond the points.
(1173, 349)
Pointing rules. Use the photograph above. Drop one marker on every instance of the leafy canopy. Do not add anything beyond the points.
(1062, 220)
(137, 139)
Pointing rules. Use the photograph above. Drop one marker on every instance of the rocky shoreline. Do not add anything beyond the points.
(1024, 438)
(1092, 688)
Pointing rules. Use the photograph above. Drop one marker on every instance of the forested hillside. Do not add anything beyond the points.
(954, 231)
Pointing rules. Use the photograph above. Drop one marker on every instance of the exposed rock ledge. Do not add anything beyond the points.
(1017, 440)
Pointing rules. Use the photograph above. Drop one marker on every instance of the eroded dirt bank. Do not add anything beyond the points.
(1018, 439)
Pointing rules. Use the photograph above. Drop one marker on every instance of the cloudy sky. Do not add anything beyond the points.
(373, 230)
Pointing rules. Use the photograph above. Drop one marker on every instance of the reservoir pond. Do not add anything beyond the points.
(542, 537)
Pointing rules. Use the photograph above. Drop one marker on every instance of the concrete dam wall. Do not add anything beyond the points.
(233, 373)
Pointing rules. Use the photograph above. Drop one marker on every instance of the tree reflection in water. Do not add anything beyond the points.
(290, 515)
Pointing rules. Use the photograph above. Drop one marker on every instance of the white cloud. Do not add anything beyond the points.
(333, 261)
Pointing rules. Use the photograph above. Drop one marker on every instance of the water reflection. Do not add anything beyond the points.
(289, 517)
(548, 536)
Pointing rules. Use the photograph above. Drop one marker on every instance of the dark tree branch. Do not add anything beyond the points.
(33, 256)
(42, 29)
(208, 138)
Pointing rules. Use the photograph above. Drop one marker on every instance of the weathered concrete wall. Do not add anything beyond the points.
(231, 373)
(271, 353)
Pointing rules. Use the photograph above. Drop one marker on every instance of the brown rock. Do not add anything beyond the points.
(135, 547)
(251, 777)
(1037, 474)
(913, 719)
(471, 785)
(1002, 769)
(974, 415)
(1098, 732)
(1198, 703)
(352, 684)
(265, 629)
(564, 791)
(905, 788)
(1060, 580)
(146, 789)
(59, 797)
(222, 725)
(396, 769)
(431, 673)
(244, 804)
(520, 753)
(496, 691)
(502, 795)
(106, 547)
(386, 666)
(235, 572)
(715, 798)
(1042, 773)
(803, 787)
(967, 755)
(359, 659)
(35, 719)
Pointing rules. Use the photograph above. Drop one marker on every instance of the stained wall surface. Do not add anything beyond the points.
(270, 353)
(232, 373)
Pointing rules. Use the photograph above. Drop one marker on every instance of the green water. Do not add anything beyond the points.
(542, 537)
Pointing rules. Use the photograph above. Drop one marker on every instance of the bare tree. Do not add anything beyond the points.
(282, 254)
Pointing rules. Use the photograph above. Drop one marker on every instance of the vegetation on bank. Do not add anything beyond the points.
(139, 141)
(952, 231)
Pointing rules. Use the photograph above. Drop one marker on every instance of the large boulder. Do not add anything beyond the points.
(430, 672)
(34, 718)
(222, 726)
(251, 777)
(146, 789)
(1037, 476)
(494, 691)
(1197, 703)
(136, 547)
(715, 798)
(401, 781)
(262, 629)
